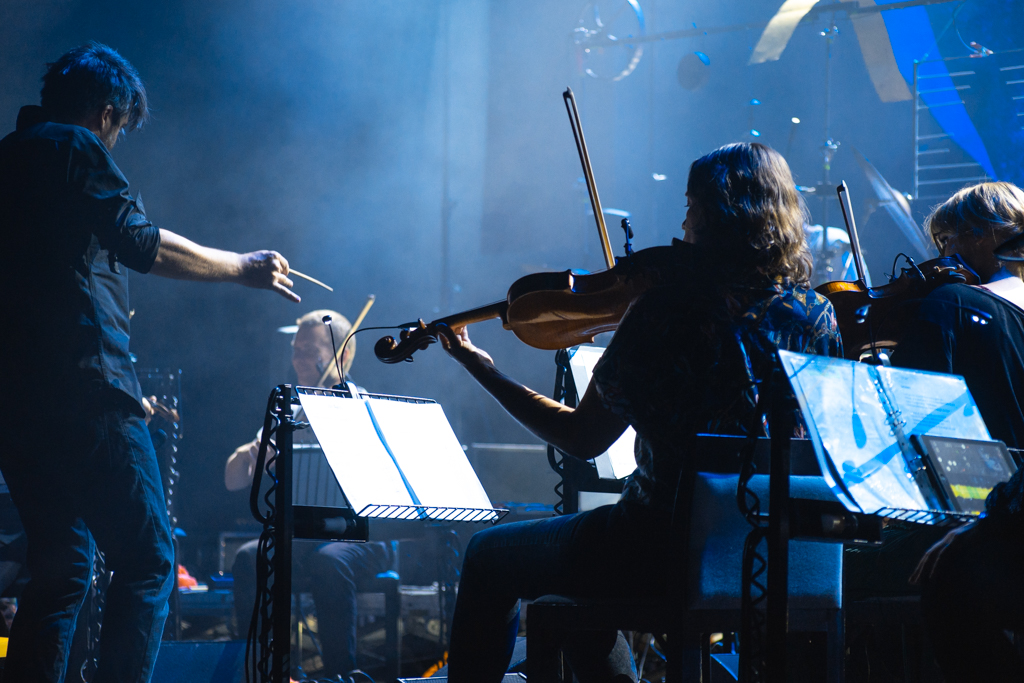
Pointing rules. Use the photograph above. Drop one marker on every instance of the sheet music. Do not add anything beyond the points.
(618, 461)
(937, 404)
(429, 454)
(853, 435)
(360, 462)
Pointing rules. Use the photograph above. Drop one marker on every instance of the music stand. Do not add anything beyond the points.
(866, 424)
(396, 457)
(863, 421)
(386, 452)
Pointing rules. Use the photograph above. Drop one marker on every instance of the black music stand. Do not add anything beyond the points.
(576, 475)
(359, 438)
(863, 421)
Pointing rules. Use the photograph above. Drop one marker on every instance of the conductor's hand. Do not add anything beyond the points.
(267, 270)
(926, 567)
(456, 342)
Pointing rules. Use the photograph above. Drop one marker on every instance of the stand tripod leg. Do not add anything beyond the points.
(778, 540)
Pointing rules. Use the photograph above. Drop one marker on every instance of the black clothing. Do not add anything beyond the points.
(1004, 507)
(597, 553)
(976, 594)
(81, 468)
(977, 589)
(71, 228)
(687, 360)
(943, 336)
(92, 481)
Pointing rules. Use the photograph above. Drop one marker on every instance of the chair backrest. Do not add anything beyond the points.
(717, 532)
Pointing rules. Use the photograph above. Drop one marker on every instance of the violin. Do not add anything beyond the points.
(873, 319)
(557, 310)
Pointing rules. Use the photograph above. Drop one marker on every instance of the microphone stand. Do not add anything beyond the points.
(830, 146)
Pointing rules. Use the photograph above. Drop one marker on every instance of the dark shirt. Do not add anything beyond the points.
(687, 360)
(943, 336)
(72, 228)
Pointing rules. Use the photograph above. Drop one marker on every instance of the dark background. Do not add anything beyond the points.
(324, 128)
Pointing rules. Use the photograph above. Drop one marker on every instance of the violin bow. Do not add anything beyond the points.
(341, 349)
(846, 207)
(588, 175)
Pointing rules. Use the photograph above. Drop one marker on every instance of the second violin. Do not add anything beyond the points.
(873, 319)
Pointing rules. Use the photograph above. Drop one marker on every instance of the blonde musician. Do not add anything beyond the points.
(973, 579)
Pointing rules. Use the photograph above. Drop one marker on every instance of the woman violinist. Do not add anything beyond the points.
(686, 359)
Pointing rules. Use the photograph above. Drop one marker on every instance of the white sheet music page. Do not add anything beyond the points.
(936, 404)
(429, 453)
(851, 432)
(363, 467)
(618, 461)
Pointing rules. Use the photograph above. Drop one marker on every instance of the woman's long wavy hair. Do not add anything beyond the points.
(751, 218)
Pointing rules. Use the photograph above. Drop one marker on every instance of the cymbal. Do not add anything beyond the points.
(896, 204)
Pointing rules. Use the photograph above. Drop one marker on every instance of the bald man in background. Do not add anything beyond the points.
(335, 571)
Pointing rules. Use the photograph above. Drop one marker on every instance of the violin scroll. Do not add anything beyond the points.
(410, 340)
(419, 335)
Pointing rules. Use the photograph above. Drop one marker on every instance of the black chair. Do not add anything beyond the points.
(706, 597)
(388, 584)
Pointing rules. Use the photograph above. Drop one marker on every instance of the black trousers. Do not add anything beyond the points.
(333, 573)
(83, 476)
(599, 553)
(975, 595)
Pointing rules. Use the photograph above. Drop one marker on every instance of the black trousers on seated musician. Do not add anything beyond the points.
(613, 551)
(333, 573)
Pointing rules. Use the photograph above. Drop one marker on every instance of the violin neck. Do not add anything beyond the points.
(498, 309)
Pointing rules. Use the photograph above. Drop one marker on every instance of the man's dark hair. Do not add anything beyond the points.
(89, 78)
